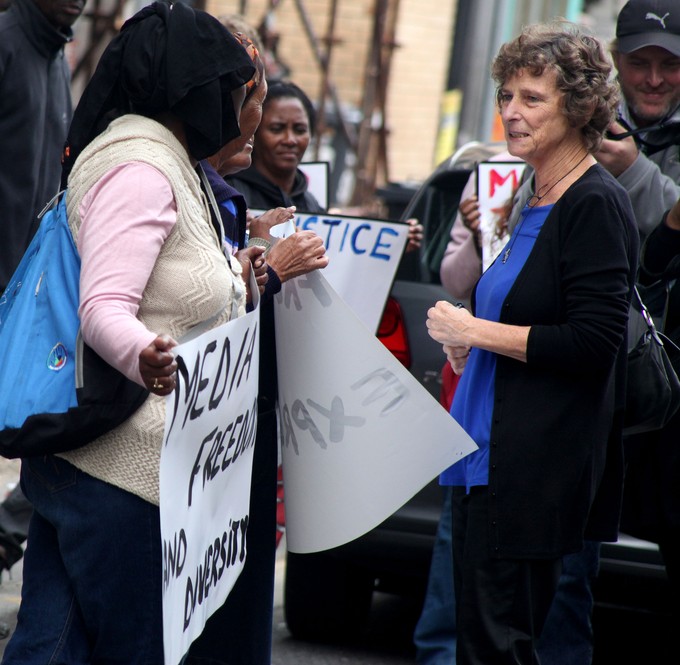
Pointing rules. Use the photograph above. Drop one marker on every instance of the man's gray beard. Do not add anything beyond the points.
(642, 120)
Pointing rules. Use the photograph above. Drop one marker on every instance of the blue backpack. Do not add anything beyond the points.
(57, 393)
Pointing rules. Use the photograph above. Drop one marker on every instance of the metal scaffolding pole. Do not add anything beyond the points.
(372, 107)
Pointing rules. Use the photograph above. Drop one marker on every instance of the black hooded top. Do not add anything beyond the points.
(262, 194)
(35, 111)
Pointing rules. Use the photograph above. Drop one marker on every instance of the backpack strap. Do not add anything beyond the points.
(50, 203)
(214, 209)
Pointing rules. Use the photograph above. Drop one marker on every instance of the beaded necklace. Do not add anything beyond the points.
(532, 202)
(537, 198)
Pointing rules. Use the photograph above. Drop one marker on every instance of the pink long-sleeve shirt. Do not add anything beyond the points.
(125, 219)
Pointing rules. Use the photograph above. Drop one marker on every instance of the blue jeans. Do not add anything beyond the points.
(567, 637)
(435, 632)
(92, 573)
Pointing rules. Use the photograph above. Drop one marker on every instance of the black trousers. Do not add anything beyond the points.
(240, 632)
(669, 544)
(501, 604)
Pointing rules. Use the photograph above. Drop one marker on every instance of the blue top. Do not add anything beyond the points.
(230, 239)
(473, 400)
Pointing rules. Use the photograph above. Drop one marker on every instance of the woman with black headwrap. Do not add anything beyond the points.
(166, 94)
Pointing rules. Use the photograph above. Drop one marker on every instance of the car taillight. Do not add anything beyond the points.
(392, 332)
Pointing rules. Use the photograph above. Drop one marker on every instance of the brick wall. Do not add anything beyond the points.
(418, 72)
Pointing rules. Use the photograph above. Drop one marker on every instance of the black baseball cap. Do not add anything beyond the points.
(649, 23)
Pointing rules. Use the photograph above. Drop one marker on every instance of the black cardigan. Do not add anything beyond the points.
(556, 458)
(35, 111)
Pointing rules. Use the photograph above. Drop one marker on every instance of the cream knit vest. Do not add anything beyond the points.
(190, 283)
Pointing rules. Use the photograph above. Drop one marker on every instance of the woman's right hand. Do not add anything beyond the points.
(252, 257)
(298, 254)
(449, 324)
(158, 366)
(260, 227)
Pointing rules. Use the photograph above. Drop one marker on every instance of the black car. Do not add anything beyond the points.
(327, 595)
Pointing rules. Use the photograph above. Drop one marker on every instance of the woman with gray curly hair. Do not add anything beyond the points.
(544, 354)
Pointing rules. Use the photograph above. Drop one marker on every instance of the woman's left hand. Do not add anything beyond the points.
(449, 325)
(457, 357)
(158, 366)
(415, 235)
(299, 253)
(253, 258)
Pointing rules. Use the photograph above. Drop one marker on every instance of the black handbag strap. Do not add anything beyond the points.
(642, 308)
(661, 302)
(662, 339)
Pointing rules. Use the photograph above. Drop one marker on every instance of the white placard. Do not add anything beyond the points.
(317, 181)
(360, 436)
(206, 465)
(363, 254)
(497, 183)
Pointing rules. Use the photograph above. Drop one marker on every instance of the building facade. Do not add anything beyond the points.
(434, 66)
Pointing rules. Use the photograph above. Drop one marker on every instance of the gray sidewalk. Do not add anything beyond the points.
(10, 582)
(10, 597)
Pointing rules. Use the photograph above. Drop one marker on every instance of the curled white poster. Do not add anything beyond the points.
(360, 436)
(206, 462)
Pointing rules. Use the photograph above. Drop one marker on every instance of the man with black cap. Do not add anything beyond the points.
(643, 153)
(35, 112)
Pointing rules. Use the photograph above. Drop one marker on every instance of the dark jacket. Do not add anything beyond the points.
(233, 226)
(262, 194)
(651, 508)
(661, 259)
(35, 112)
(556, 458)
(653, 179)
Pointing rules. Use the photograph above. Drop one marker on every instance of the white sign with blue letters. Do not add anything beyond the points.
(364, 256)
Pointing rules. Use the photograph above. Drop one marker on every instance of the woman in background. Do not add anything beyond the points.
(274, 179)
